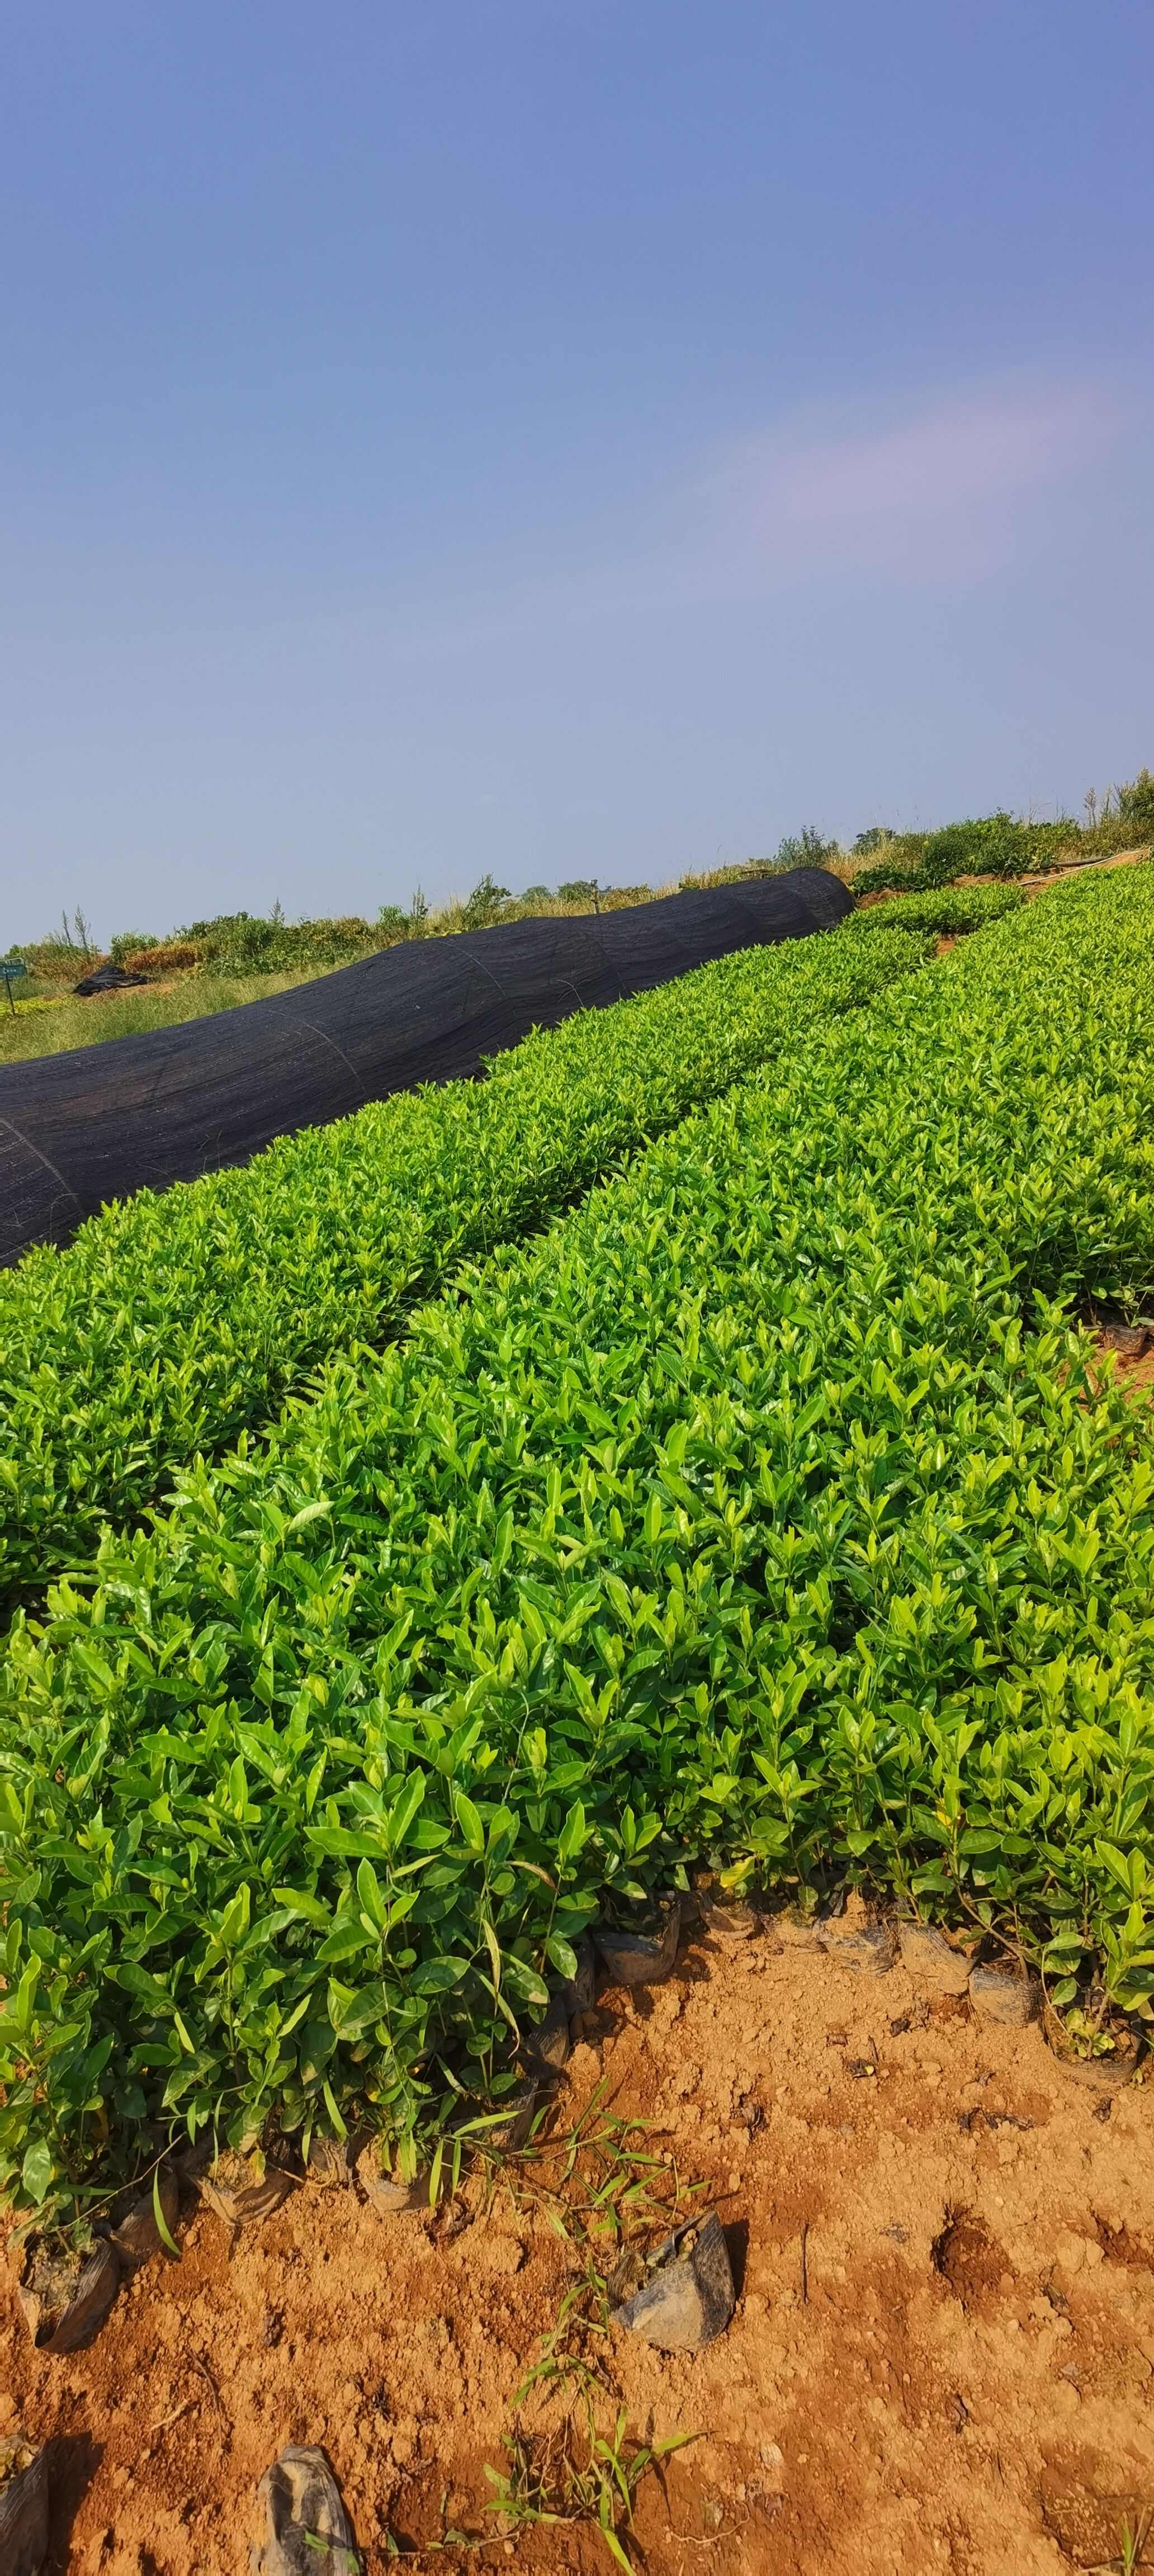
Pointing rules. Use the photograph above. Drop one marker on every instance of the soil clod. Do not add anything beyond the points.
(933, 1960)
(1131, 1341)
(969, 2259)
(1106, 2063)
(726, 1916)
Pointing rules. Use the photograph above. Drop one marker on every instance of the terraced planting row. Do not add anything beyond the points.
(946, 914)
(174, 1323)
(764, 1512)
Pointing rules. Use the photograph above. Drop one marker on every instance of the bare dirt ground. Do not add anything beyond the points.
(942, 2354)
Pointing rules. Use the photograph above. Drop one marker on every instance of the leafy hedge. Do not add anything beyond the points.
(764, 1511)
(954, 910)
(173, 1323)
(999, 845)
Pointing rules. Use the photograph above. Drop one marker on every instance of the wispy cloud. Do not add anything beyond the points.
(939, 495)
(963, 485)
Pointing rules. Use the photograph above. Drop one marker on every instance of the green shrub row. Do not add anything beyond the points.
(173, 1323)
(951, 911)
(998, 845)
(763, 1512)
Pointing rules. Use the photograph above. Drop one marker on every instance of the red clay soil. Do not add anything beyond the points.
(942, 2355)
(1133, 1370)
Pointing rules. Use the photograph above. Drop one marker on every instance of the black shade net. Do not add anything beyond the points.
(99, 1122)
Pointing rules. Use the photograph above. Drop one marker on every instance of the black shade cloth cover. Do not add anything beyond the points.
(97, 1123)
(106, 979)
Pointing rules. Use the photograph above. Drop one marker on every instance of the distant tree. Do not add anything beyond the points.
(875, 839)
(484, 904)
(536, 894)
(805, 849)
(576, 890)
(126, 941)
(1136, 802)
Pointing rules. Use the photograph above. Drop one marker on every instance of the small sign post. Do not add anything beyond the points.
(11, 968)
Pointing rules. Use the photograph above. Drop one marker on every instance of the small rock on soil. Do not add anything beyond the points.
(546, 2046)
(302, 2526)
(633, 1959)
(388, 2193)
(727, 1921)
(330, 2163)
(998, 1994)
(868, 1946)
(23, 2506)
(932, 1960)
(240, 2193)
(689, 2298)
(65, 2296)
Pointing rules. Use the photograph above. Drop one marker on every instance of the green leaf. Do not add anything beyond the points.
(438, 1976)
(561, 1955)
(331, 2107)
(37, 2170)
(571, 1838)
(371, 1899)
(469, 1822)
(525, 1980)
(162, 2229)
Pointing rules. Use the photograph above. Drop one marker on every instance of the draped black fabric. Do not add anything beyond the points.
(79, 1129)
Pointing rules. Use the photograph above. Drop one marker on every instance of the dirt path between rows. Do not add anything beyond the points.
(942, 2354)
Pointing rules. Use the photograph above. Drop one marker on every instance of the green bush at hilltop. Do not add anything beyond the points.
(1003, 845)
(1135, 806)
(243, 943)
(995, 845)
(765, 1514)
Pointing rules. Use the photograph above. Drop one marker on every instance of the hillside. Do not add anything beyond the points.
(579, 1655)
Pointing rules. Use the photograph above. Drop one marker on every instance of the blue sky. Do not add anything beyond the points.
(560, 436)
